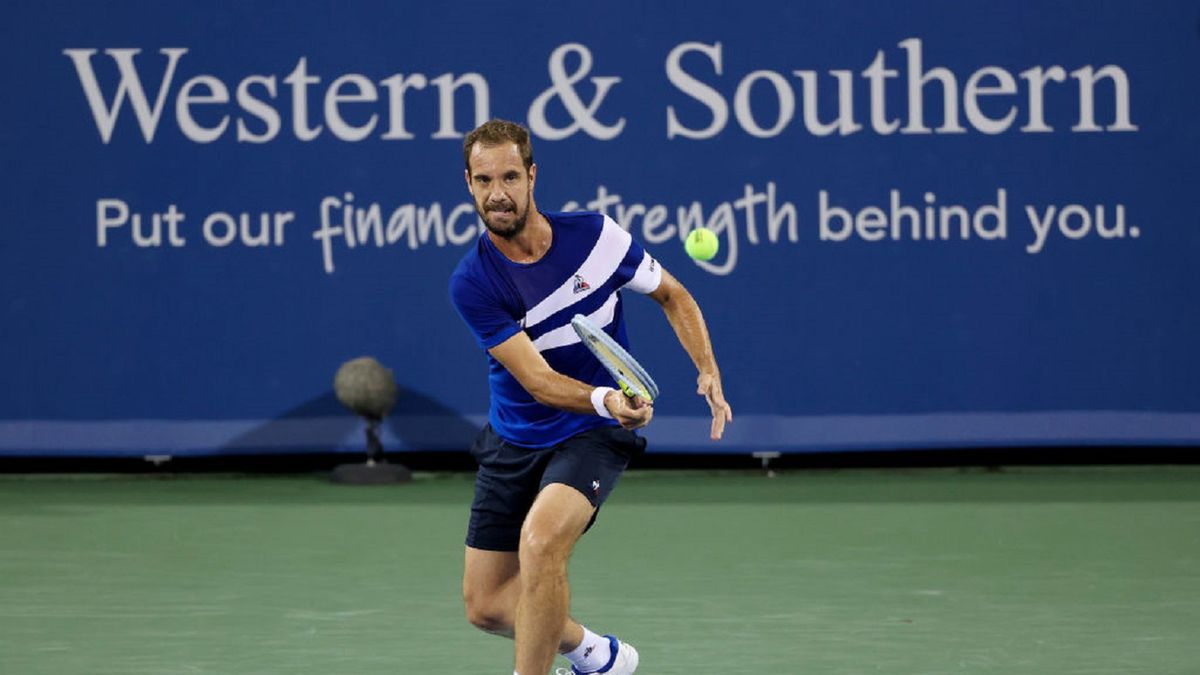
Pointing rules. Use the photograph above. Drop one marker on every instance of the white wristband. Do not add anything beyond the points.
(598, 395)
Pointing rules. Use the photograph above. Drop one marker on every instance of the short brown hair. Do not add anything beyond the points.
(499, 132)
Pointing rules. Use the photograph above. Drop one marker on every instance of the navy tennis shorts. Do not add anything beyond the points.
(511, 476)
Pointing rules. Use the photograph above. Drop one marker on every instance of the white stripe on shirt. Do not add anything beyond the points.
(604, 259)
(566, 335)
(647, 277)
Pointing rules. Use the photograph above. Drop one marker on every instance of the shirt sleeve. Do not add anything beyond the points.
(648, 273)
(482, 312)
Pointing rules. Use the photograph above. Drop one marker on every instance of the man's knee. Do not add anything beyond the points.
(541, 545)
(553, 526)
(486, 614)
(490, 588)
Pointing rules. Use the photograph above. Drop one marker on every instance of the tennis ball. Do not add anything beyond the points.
(701, 244)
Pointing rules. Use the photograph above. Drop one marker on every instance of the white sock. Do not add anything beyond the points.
(592, 654)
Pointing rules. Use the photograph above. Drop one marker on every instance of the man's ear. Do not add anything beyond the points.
(532, 175)
(467, 176)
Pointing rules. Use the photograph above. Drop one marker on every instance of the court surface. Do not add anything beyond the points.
(1048, 571)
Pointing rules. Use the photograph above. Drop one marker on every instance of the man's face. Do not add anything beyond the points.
(503, 190)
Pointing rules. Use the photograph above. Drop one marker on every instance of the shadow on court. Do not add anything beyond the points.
(322, 424)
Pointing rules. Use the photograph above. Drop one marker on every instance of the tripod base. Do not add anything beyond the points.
(371, 473)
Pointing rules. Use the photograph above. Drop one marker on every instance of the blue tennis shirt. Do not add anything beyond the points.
(590, 259)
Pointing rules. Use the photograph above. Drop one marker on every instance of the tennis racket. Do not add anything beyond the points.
(629, 374)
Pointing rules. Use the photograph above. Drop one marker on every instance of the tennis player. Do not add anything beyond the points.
(559, 436)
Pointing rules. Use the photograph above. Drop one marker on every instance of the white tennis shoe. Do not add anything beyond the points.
(624, 661)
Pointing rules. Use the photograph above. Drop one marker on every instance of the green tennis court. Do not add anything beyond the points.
(1030, 571)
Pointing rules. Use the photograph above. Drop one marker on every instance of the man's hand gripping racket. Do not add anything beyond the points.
(639, 388)
(636, 407)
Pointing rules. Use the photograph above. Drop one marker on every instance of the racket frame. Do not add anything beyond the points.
(630, 376)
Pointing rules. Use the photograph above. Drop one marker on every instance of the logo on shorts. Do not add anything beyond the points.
(581, 285)
(595, 487)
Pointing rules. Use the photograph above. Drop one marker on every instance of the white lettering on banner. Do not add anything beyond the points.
(220, 229)
(1076, 222)
(298, 80)
(921, 82)
(187, 124)
(396, 86)
(918, 78)
(344, 225)
(347, 89)
(722, 219)
(783, 96)
(353, 226)
(975, 114)
(564, 89)
(955, 222)
(1037, 81)
(364, 93)
(114, 213)
(845, 123)
(757, 217)
(689, 85)
(448, 84)
(1087, 84)
(130, 84)
(258, 108)
(877, 74)
(902, 221)
(989, 99)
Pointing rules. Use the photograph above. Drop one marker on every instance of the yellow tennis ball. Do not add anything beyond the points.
(701, 244)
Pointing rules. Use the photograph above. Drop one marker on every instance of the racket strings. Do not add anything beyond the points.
(632, 383)
(628, 373)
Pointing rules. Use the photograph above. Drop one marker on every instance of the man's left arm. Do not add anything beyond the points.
(684, 315)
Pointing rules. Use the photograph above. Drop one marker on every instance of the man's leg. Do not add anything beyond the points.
(557, 519)
(491, 588)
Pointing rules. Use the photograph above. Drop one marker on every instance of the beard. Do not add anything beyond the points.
(515, 227)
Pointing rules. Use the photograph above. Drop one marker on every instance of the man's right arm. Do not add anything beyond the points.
(551, 388)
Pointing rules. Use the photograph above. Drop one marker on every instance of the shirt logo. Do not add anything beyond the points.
(581, 285)
(596, 487)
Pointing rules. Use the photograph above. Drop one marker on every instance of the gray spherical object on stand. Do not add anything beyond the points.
(369, 389)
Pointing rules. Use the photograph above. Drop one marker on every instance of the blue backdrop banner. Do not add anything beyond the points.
(942, 224)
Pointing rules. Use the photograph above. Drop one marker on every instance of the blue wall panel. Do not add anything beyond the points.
(1062, 313)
